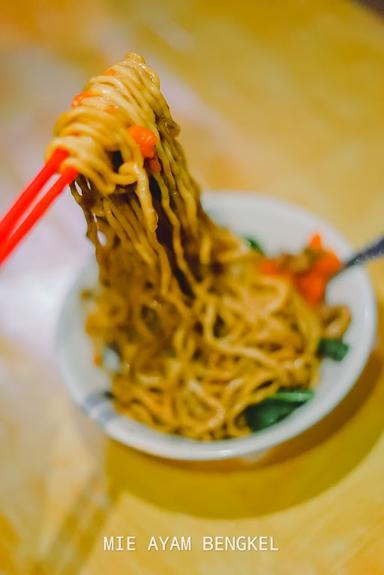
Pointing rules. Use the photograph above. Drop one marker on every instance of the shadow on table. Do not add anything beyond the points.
(286, 476)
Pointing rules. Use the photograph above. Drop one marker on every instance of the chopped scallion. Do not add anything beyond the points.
(276, 408)
(335, 349)
(255, 245)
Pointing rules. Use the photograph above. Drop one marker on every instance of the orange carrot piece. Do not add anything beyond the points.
(145, 138)
(311, 285)
(327, 265)
(77, 100)
(315, 242)
(154, 164)
(269, 267)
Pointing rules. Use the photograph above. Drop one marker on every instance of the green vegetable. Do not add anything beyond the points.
(267, 413)
(276, 408)
(334, 348)
(255, 245)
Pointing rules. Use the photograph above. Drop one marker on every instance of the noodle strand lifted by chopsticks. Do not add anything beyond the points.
(200, 333)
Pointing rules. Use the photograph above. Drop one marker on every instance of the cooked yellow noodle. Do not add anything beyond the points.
(200, 333)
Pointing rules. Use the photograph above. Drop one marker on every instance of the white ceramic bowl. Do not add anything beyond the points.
(280, 226)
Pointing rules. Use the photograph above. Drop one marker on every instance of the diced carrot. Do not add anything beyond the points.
(269, 267)
(77, 100)
(327, 264)
(154, 164)
(311, 285)
(110, 72)
(145, 138)
(315, 242)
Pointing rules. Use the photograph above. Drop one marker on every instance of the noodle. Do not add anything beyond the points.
(199, 332)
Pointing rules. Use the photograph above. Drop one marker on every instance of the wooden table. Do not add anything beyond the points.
(283, 98)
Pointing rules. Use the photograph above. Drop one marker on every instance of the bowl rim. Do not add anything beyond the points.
(168, 446)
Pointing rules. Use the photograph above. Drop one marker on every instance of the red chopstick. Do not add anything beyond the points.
(10, 234)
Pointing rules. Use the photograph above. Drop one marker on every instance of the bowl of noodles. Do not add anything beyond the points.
(207, 326)
(312, 389)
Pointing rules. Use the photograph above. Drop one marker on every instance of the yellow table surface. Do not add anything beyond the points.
(285, 98)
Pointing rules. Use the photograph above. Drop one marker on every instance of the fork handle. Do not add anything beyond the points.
(370, 252)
